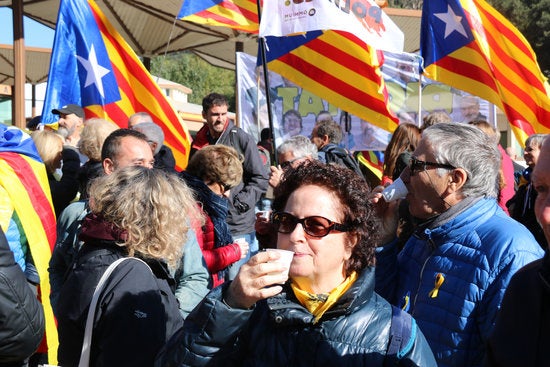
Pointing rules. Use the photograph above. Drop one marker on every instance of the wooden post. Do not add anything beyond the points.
(18, 97)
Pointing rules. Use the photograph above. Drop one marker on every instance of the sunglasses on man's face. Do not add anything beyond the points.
(416, 165)
(315, 226)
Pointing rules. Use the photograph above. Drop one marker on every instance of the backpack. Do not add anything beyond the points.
(402, 336)
(338, 155)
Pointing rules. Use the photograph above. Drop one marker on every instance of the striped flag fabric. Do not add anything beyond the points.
(93, 66)
(237, 14)
(328, 50)
(373, 160)
(337, 66)
(469, 45)
(25, 200)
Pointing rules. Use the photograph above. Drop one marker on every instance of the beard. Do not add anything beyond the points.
(64, 132)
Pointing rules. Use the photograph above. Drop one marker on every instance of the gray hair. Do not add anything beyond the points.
(141, 117)
(535, 139)
(469, 148)
(300, 146)
(153, 132)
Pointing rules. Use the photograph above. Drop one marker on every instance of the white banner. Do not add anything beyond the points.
(407, 96)
(362, 18)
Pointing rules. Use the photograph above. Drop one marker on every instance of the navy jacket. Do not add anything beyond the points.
(280, 332)
(522, 332)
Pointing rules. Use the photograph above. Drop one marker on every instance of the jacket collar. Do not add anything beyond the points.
(202, 138)
(286, 310)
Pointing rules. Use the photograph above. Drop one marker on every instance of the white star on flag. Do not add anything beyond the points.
(452, 22)
(94, 71)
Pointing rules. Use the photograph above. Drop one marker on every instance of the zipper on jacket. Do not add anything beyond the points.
(432, 247)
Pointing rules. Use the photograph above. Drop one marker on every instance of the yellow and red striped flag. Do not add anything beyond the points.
(93, 66)
(337, 66)
(332, 50)
(25, 198)
(373, 160)
(237, 14)
(469, 45)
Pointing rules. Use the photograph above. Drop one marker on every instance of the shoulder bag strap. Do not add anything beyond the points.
(86, 344)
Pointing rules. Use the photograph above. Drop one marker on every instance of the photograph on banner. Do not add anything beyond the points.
(407, 96)
(295, 110)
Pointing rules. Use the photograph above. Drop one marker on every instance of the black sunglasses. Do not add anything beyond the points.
(287, 164)
(315, 226)
(226, 187)
(416, 165)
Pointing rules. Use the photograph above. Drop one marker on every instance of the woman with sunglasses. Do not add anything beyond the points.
(326, 313)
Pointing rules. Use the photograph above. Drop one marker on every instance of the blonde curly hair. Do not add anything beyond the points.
(154, 207)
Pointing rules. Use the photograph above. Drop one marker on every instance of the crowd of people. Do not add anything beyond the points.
(156, 267)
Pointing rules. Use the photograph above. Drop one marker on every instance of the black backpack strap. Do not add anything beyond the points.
(402, 335)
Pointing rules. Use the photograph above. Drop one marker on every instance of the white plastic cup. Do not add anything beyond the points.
(397, 190)
(285, 259)
(240, 240)
(265, 214)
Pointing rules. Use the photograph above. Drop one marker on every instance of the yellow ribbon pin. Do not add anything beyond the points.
(439, 279)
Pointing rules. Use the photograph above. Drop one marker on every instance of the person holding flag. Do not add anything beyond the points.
(28, 219)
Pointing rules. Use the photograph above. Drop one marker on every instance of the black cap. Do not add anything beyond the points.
(68, 109)
(33, 123)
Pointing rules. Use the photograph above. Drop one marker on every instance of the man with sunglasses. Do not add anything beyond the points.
(453, 272)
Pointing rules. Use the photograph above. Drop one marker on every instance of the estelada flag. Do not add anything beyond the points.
(26, 206)
(237, 14)
(338, 67)
(93, 66)
(328, 50)
(467, 44)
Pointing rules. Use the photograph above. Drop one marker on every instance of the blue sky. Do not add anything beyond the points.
(36, 34)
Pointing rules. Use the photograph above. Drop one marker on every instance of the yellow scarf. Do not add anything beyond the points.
(318, 304)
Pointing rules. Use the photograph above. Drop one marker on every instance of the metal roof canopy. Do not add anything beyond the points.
(37, 63)
(150, 28)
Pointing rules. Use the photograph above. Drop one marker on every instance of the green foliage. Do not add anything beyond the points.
(406, 4)
(202, 78)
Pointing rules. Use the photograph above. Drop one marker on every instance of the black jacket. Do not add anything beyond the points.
(165, 160)
(65, 190)
(521, 336)
(280, 332)
(136, 314)
(21, 314)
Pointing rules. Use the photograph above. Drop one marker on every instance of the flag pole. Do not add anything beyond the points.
(420, 75)
(262, 55)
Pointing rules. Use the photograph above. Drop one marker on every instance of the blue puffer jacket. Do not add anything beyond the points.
(452, 278)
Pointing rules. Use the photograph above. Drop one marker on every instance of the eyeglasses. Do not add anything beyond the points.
(225, 187)
(315, 226)
(416, 165)
(287, 164)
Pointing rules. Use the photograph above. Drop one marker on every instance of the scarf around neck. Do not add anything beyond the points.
(94, 227)
(318, 304)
